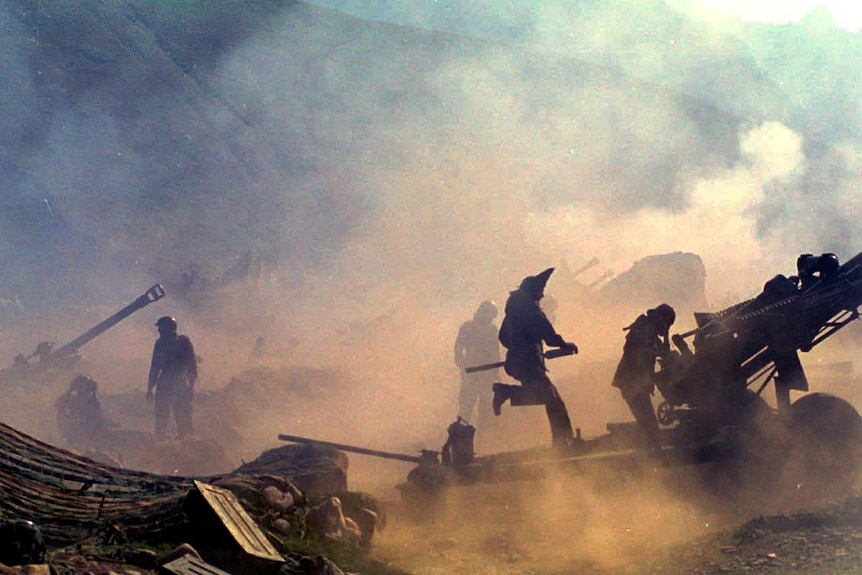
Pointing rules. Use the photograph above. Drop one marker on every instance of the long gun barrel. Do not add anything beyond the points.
(153, 294)
(554, 353)
(353, 449)
(593, 262)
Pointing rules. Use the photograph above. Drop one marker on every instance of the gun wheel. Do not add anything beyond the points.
(664, 413)
(827, 434)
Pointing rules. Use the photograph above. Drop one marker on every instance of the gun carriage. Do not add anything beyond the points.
(45, 356)
(711, 383)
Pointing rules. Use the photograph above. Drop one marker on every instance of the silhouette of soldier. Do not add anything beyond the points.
(524, 330)
(477, 344)
(646, 341)
(173, 372)
(79, 413)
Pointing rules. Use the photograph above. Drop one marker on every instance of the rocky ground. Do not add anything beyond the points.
(815, 543)
(485, 536)
(827, 540)
(809, 544)
(609, 530)
(556, 527)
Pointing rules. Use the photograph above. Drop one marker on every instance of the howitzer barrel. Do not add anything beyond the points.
(852, 268)
(851, 263)
(153, 294)
(606, 275)
(352, 448)
(590, 264)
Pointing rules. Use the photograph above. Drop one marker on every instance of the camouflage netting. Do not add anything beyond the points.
(73, 498)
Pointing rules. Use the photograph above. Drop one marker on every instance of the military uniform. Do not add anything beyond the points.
(79, 414)
(173, 372)
(524, 330)
(646, 340)
(477, 344)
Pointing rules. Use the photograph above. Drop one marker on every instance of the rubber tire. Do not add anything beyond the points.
(827, 439)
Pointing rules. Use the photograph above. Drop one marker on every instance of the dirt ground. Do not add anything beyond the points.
(694, 520)
(686, 520)
(657, 523)
(828, 540)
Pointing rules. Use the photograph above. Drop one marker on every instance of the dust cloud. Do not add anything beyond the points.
(389, 179)
(605, 523)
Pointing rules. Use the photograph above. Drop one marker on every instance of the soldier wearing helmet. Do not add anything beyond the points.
(79, 413)
(477, 344)
(173, 372)
(646, 341)
(524, 331)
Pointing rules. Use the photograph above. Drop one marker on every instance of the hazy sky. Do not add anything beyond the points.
(378, 170)
(846, 14)
(392, 179)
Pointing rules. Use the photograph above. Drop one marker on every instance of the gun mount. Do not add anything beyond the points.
(68, 353)
(711, 406)
(712, 384)
(735, 353)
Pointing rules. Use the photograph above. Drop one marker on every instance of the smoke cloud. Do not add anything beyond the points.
(383, 179)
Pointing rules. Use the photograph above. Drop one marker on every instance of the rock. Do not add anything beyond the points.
(145, 558)
(315, 470)
(277, 499)
(366, 520)
(328, 520)
(319, 565)
(351, 531)
(263, 492)
(282, 525)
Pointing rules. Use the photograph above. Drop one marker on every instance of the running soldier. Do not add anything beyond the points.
(524, 330)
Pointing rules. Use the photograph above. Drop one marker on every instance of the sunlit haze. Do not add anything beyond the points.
(346, 181)
(845, 14)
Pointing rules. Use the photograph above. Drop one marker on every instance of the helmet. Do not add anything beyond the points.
(166, 322)
(83, 384)
(666, 313)
(487, 310)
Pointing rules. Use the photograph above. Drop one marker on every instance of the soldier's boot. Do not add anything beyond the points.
(502, 393)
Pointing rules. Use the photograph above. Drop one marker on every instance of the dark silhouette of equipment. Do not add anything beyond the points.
(711, 403)
(425, 455)
(550, 354)
(720, 368)
(68, 353)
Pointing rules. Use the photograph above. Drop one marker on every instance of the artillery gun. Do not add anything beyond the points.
(45, 356)
(741, 349)
(712, 407)
(712, 384)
